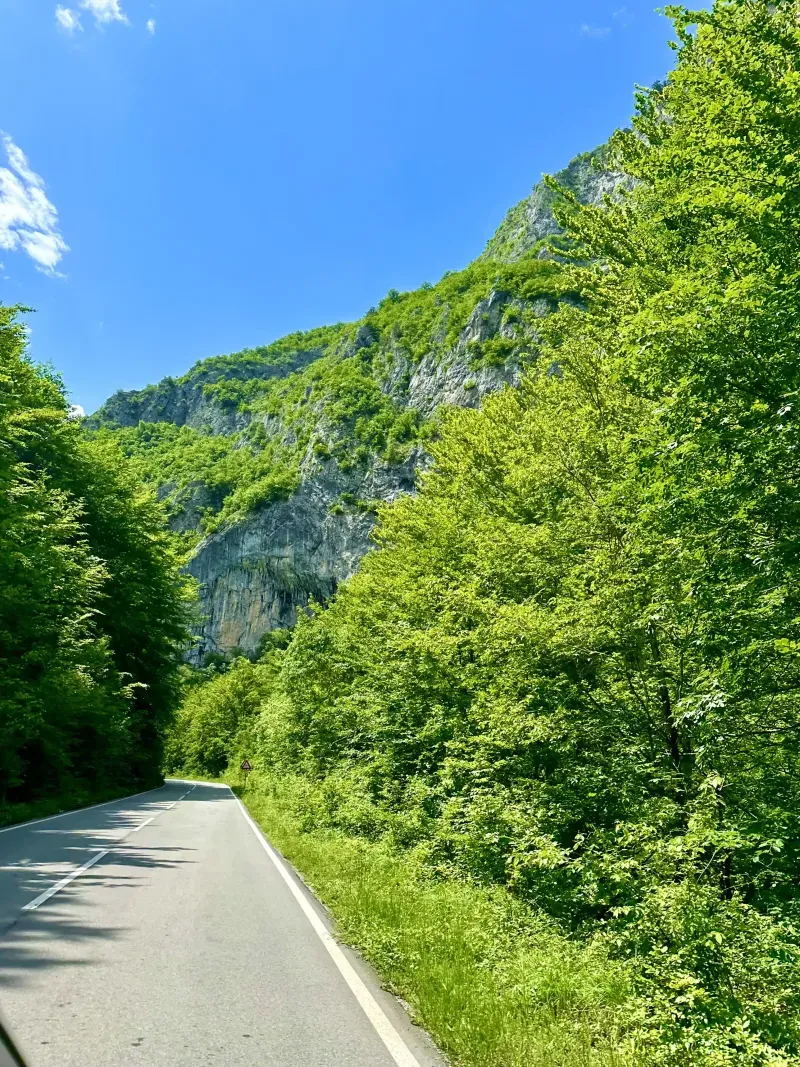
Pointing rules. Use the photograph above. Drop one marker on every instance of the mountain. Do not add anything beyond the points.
(273, 461)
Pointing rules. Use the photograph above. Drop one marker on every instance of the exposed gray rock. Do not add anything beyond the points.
(532, 219)
(188, 505)
(257, 574)
(453, 378)
(364, 337)
(184, 402)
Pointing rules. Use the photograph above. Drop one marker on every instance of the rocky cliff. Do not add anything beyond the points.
(255, 574)
(532, 220)
(186, 402)
(272, 461)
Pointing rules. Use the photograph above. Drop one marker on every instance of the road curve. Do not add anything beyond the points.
(158, 930)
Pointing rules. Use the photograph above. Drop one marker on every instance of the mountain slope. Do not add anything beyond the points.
(273, 461)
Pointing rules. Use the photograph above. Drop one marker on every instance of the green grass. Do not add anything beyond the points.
(494, 984)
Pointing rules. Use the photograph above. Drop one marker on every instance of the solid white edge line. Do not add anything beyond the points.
(51, 892)
(75, 811)
(64, 881)
(397, 1048)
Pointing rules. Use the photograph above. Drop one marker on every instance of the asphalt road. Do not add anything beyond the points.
(182, 942)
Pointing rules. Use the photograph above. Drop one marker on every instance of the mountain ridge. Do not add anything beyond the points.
(272, 462)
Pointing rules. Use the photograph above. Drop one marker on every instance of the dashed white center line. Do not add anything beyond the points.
(33, 904)
(65, 881)
(174, 802)
(137, 828)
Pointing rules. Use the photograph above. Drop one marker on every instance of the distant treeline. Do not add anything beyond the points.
(572, 664)
(91, 602)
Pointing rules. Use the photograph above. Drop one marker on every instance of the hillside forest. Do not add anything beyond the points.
(558, 703)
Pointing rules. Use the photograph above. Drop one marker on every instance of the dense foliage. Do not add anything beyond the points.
(573, 664)
(91, 606)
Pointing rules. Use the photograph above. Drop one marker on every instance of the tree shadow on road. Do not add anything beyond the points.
(65, 930)
(60, 930)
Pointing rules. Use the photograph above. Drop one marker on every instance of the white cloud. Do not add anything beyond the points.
(595, 31)
(151, 26)
(104, 10)
(76, 411)
(68, 19)
(28, 220)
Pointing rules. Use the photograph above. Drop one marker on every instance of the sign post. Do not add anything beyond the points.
(245, 767)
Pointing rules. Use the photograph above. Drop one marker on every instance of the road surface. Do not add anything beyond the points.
(159, 930)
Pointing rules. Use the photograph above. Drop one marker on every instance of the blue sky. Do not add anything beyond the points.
(227, 171)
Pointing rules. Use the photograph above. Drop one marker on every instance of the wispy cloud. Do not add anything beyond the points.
(104, 11)
(623, 16)
(68, 19)
(594, 31)
(28, 220)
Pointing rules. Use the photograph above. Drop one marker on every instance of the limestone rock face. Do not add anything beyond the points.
(257, 574)
(532, 219)
(452, 379)
(189, 504)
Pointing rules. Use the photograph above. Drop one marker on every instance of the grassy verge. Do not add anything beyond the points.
(11, 814)
(495, 985)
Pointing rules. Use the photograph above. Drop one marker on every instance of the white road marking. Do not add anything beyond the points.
(137, 828)
(186, 794)
(65, 881)
(398, 1049)
(74, 811)
(33, 904)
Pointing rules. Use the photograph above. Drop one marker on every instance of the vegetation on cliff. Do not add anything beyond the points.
(570, 669)
(531, 226)
(91, 603)
(339, 393)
